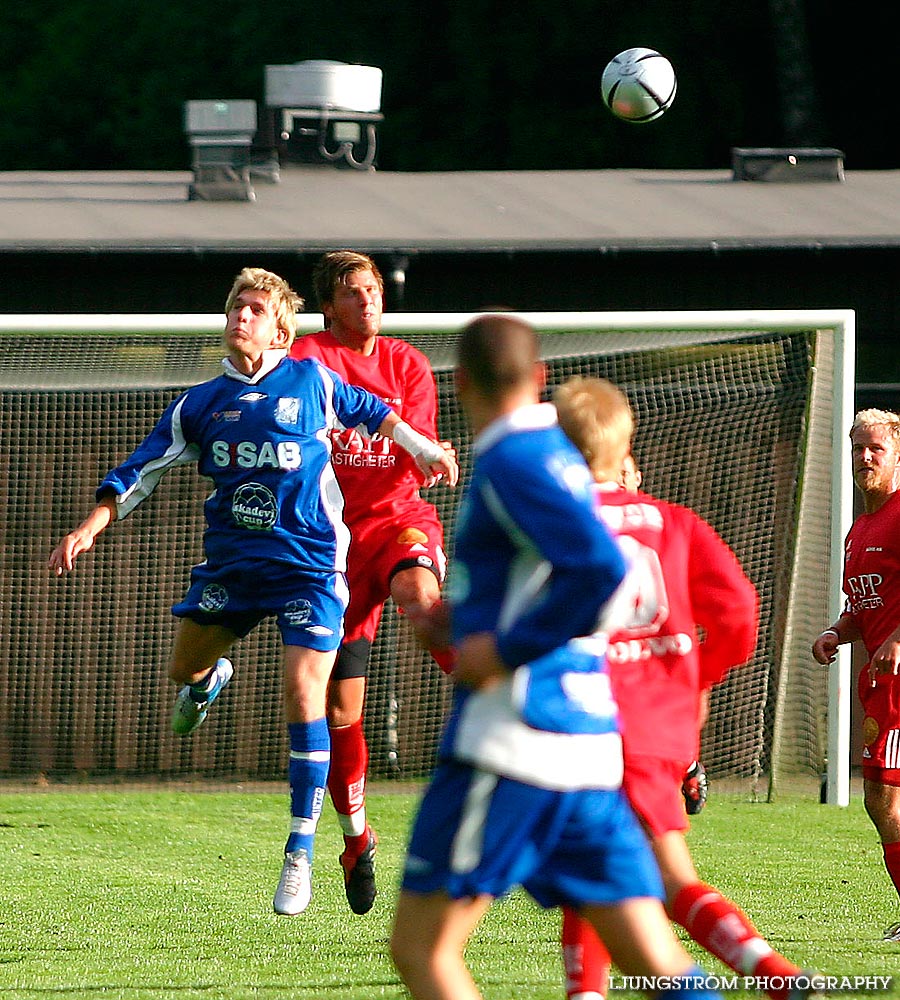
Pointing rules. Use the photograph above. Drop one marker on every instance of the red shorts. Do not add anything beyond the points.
(379, 549)
(881, 727)
(653, 786)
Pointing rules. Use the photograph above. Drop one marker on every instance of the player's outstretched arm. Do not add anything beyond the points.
(435, 459)
(62, 558)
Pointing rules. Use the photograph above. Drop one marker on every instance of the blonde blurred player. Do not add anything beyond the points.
(682, 576)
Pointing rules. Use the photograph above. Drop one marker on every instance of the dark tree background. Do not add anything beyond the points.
(468, 84)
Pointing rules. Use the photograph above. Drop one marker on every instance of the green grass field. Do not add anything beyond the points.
(166, 895)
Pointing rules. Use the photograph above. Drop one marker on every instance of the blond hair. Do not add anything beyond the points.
(286, 303)
(873, 417)
(597, 417)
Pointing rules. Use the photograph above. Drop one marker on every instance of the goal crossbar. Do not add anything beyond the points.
(564, 334)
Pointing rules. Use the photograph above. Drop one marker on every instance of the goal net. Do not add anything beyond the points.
(741, 417)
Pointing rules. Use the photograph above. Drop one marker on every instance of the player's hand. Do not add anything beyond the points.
(825, 648)
(431, 625)
(439, 468)
(885, 660)
(478, 665)
(62, 558)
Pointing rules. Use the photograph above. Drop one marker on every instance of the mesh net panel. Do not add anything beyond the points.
(723, 424)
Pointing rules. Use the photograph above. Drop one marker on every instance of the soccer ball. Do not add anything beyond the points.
(638, 85)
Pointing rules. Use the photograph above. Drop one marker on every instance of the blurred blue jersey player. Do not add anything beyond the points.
(527, 788)
(275, 542)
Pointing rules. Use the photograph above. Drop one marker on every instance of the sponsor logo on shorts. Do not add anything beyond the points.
(319, 630)
(254, 506)
(869, 730)
(411, 536)
(214, 597)
(297, 612)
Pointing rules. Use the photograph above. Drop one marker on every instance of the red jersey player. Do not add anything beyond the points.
(872, 614)
(397, 538)
(683, 578)
(694, 783)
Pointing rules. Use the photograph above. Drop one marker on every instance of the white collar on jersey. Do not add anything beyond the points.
(534, 416)
(270, 360)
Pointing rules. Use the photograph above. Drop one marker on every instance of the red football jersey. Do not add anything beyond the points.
(377, 477)
(872, 573)
(683, 583)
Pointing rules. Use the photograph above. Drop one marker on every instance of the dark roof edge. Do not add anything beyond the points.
(799, 243)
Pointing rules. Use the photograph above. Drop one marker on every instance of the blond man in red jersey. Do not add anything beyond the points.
(872, 614)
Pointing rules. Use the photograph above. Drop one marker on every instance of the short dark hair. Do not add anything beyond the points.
(498, 352)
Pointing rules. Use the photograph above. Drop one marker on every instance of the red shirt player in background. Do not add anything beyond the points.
(694, 784)
(397, 539)
(872, 613)
(682, 578)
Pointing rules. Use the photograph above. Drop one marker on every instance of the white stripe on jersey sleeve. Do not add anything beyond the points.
(178, 453)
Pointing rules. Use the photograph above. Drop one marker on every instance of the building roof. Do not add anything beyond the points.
(318, 208)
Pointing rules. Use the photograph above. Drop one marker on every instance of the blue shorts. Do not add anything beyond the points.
(309, 607)
(477, 832)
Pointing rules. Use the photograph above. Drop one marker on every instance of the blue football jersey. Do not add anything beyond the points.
(534, 565)
(263, 441)
(536, 561)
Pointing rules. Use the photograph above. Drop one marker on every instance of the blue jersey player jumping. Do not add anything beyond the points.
(275, 542)
(527, 788)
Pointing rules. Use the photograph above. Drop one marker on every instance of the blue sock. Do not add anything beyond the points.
(200, 690)
(696, 984)
(308, 776)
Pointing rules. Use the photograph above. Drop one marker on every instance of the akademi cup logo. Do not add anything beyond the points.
(214, 597)
(298, 612)
(254, 506)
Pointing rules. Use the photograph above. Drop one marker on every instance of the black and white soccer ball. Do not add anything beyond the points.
(638, 85)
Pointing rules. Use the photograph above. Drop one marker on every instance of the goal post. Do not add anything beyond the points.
(742, 415)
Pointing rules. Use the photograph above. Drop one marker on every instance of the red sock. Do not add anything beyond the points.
(892, 862)
(347, 781)
(716, 923)
(585, 958)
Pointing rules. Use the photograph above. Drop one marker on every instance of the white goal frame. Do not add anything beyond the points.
(841, 322)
